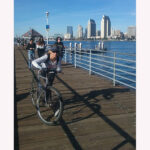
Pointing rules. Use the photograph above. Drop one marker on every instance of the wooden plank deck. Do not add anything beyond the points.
(97, 116)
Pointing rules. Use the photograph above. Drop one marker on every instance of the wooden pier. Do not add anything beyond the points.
(97, 115)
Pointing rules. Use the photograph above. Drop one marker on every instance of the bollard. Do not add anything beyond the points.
(102, 46)
(70, 45)
(114, 70)
(99, 46)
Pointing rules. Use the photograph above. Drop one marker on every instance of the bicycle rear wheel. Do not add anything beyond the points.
(50, 108)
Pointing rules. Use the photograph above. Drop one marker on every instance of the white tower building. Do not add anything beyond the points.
(91, 29)
(80, 31)
(105, 27)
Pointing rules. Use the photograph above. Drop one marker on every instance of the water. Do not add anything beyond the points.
(127, 47)
(118, 46)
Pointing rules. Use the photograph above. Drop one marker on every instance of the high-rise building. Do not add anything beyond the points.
(80, 31)
(131, 31)
(70, 30)
(105, 27)
(112, 32)
(116, 34)
(98, 33)
(91, 28)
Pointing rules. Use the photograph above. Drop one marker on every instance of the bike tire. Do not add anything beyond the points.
(34, 92)
(50, 113)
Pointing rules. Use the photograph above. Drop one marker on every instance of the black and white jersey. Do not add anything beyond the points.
(43, 62)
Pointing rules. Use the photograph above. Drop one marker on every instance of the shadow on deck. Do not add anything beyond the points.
(100, 104)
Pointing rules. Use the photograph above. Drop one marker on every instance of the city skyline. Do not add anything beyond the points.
(122, 15)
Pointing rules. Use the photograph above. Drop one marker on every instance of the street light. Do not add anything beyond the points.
(47, 26)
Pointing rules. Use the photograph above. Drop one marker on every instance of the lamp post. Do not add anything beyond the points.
(47, 26)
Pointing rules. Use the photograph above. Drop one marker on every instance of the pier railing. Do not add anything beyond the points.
(118, 67)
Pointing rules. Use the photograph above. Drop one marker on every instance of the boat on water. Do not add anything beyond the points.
(100, 51)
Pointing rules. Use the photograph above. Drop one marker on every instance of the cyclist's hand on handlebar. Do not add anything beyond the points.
(41, 69)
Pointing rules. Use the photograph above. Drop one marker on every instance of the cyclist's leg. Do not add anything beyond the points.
(51, 78)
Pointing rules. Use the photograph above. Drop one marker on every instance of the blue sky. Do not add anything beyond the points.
(31, 14)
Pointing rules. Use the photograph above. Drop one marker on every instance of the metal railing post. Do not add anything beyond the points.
(90, 63)
(75, 49)
(80, 49)
(65, 56)
(102, 46)
(80, 46)
(114, 70)
(70, 52)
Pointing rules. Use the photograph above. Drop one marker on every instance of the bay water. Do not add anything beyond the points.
(123, 49)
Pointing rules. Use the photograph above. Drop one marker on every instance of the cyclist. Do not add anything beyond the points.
(47, 62)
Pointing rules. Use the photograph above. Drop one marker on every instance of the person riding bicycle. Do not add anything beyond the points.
(47, 62)
(49, 103)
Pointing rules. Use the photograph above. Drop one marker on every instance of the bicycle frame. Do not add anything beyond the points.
(46, 98)
(40, 86)
(45, 78)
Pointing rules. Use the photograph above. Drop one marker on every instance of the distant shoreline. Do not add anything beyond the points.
(102, 40)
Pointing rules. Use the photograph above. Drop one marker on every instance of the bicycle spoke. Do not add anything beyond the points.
(33, 92)
(47, 101)
(50, 110)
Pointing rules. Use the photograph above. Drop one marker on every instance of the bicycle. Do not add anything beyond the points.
(46, 99)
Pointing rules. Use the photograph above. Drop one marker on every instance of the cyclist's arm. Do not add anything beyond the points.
(37, 62)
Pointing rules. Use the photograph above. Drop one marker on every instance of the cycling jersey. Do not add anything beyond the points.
(44, 63)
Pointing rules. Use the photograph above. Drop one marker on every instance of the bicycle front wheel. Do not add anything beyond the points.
(50, 106)
(34, 92)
